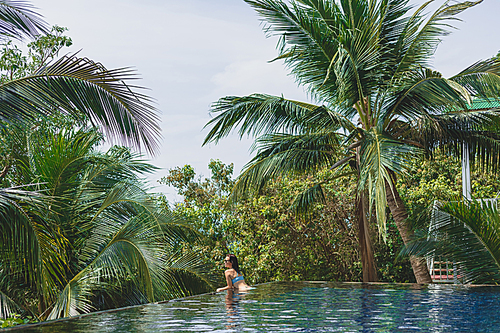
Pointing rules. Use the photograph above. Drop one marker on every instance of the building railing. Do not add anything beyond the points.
(441, 269)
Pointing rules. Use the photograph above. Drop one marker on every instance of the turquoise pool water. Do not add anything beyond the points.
(307, 307)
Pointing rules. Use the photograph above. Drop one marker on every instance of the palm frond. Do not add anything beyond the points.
(468, 233)
(447, 132)
(73, 300)
(57, 158)
(259, 113)
(98, 234)
(7, 306)
(10, 195)
(425, 92)
(481, 79)
(130, 250)
(283, 154)
(189, 271)
(17, 20)
(30, 244)
(420, 37)
(304, 34)
(130, 245)
(380, 154)
(127, 254)
(81, 85)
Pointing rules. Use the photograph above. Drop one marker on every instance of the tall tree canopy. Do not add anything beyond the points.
(367, 64)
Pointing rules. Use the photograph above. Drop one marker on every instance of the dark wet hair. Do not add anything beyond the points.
(234, 262)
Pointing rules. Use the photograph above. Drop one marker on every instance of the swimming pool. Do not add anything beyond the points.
(307, 307)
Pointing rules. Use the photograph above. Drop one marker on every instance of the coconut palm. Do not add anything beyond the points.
(466, 233)
(77, 87)
(78, 227)
(381, 106)
(92, 238)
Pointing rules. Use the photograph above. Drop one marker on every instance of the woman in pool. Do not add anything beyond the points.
(233, 276)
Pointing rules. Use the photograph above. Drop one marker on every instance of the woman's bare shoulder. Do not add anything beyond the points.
(230, 271)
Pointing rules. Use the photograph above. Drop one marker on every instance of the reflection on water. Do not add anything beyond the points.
(233, 309)
(307, 307)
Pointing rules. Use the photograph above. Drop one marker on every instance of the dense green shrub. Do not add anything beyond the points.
(274, 244)
(440, 178)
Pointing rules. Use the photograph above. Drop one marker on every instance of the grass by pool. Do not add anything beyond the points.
(306, 307)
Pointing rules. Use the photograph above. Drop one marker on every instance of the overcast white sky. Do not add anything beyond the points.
(189, 53)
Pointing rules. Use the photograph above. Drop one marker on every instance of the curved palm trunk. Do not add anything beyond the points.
(365, 242)
(400, 215)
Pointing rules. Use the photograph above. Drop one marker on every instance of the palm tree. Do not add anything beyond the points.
(77, 87)
(93, 238)
(367, 63)
(467, 233)
(75, 223)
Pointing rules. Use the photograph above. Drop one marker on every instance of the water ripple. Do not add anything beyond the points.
(306, 307)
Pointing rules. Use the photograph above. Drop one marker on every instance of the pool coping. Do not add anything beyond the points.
(421, 286)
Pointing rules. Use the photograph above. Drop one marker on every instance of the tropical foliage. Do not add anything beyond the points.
(460, 231)
(466, 233)
(39, 83)
(275, 244)
(381, 105)
(85, 234)
(205, 205)
(78, 229)
(440, 179)
(19, 20)
(270, 240)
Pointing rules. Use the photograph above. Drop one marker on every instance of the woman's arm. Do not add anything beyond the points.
(228, 280)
